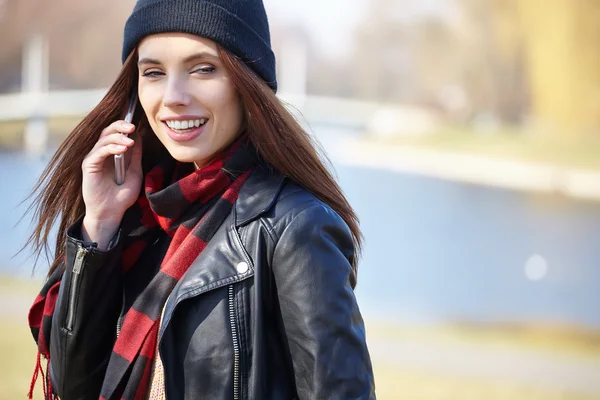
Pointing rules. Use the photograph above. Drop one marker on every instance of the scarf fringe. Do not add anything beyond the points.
(36, 372)
(50, 394)
(46, 382)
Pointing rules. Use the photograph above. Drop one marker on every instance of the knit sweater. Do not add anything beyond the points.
(156, 390)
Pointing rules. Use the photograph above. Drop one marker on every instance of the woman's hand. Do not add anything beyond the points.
(105, 201)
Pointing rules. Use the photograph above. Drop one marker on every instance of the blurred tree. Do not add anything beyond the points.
(542, 58)
(84, 38)
(439, 65)
(511, 58)
(493, 58)
(563, 61)
(435, 59)
(381, 65)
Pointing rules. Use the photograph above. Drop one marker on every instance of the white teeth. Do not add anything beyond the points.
(183, 125)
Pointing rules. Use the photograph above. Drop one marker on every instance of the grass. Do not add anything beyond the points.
(577, 151)
(406, 382)
(19, 287)
(399, 383)
(18, 360)
(392, 381)
(556, 341)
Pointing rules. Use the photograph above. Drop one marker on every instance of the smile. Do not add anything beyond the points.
(185, 125)
(184, 130)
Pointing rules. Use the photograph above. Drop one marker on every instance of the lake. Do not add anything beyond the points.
(434, 250)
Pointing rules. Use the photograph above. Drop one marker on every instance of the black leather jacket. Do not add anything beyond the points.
(265, 312)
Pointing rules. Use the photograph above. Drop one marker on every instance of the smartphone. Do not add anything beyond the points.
(120, 158)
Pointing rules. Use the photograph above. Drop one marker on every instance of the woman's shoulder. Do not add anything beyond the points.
(294, 199)
(296, 205)
(277, 202)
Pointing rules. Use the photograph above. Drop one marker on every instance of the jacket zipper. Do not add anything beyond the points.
(74, 289)
(236, 346)
(121, 316)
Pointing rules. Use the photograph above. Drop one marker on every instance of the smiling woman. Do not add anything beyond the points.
(224, 265)
(189, 98)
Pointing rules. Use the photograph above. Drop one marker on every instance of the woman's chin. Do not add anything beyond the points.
(185, 155)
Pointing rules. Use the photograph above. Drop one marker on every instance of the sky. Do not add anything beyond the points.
(331, 22)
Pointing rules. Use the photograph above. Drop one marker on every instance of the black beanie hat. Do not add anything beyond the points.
(240, 26)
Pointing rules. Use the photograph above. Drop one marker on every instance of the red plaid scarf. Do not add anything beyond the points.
(188, 205)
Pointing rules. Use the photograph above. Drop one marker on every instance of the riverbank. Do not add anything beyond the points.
(469, 362)
(436, 364)
(475, 162)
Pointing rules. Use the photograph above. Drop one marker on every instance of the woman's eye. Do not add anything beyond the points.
(152, 74)
(205, 69)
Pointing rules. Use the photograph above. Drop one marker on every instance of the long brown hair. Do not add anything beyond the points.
(279, 140)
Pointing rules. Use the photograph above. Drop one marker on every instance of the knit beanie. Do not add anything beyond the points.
(240, 26)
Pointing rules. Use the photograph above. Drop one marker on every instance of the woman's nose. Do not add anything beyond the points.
(176, 94)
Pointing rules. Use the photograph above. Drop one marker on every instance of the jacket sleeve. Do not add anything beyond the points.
(321, 318)
(85, 318)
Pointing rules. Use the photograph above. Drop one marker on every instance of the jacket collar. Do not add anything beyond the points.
(258, 194)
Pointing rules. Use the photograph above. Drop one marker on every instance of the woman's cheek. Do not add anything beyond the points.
(149, 95)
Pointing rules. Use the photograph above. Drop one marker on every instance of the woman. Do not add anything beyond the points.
(224, 265)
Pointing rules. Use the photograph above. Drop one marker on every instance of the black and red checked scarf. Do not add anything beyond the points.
(189, 206)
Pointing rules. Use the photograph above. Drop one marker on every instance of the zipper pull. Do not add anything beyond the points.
(79, 257)
(74, 289)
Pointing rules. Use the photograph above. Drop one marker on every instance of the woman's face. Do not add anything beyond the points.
(188, 96)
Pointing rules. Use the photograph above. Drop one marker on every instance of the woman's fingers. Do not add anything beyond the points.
(94, 161)
(103, 198)
(118, 127)
(113, 138)
(116, 141)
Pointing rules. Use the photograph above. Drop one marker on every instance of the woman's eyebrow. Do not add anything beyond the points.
(193, 57)
(148, 61)
(196, 56)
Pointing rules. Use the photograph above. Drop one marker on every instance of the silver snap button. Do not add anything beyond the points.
(242, 267)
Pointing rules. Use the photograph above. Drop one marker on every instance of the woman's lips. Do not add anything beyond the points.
(184, 136)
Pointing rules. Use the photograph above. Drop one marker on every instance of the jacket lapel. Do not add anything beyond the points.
(225, 261)
(258, 194)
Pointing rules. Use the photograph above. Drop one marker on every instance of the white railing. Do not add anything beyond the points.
(23, 106)
(66, 103)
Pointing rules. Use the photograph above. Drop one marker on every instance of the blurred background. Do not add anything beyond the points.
(466, 134)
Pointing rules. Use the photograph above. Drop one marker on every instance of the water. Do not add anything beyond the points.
(434, 250)
(19, 173)
(443, 250)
